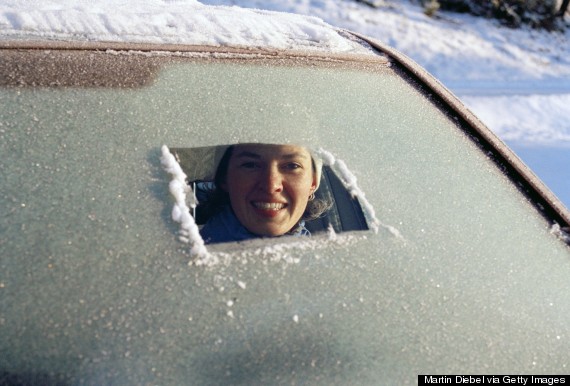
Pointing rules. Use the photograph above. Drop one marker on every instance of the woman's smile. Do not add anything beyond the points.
(269, 186)
(268, 205)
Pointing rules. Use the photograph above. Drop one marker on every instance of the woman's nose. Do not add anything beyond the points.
(271, 180)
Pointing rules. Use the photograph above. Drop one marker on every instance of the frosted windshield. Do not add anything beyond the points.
(463, 274)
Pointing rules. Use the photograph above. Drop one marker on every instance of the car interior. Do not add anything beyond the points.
(345, 213)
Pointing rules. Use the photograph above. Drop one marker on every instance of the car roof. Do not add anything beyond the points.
(184, 23)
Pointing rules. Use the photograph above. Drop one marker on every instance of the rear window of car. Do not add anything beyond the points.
(95, 285)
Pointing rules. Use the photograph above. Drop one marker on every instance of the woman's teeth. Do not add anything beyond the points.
(269, 205)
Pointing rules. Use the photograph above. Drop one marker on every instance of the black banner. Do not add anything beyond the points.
(525, 380)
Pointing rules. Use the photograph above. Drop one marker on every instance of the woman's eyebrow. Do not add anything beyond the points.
(248, 154)
(294, 156)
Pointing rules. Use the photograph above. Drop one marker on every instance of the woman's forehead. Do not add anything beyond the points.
(264, 151)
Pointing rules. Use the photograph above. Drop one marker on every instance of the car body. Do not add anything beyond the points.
(463, 266)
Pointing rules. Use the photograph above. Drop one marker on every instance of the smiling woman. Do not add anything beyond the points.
(263, 190)
(252, 190)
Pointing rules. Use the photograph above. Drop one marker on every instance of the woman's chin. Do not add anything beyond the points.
(268, 223)
(268, 231)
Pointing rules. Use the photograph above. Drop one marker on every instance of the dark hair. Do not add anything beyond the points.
(214, 197)
(217, 198)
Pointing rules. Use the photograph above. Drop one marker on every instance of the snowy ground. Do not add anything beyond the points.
(516, 81)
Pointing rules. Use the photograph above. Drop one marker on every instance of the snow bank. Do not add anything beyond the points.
(162, 21)
(531, 119)
(451, 45)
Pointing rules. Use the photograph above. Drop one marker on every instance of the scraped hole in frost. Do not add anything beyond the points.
(349, 182)
(192, 173)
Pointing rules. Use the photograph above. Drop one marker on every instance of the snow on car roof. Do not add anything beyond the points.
(168, 22)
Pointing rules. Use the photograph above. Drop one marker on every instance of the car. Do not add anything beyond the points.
(443, 254)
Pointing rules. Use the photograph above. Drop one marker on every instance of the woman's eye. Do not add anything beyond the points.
(292, 166)
(249, 165)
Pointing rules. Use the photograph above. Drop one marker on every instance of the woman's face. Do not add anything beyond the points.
(269, 186)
